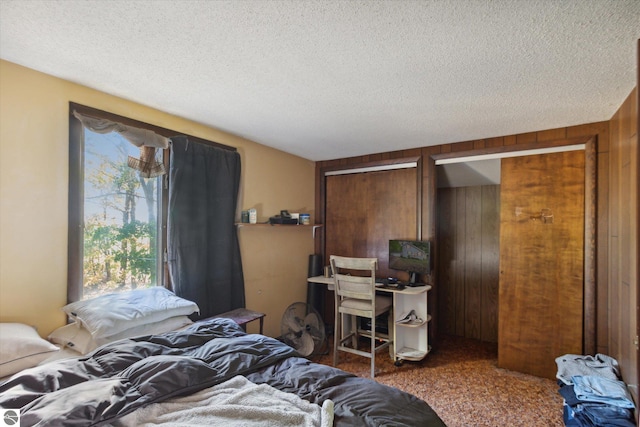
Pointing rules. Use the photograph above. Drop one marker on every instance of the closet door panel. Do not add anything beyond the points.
(365, 210)
(490, 261)
(541, 261)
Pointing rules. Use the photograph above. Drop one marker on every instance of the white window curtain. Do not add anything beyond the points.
(147, 140)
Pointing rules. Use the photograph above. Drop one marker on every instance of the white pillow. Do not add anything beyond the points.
(73, 337)
(80, 340)
(21, 347)
(111, 314)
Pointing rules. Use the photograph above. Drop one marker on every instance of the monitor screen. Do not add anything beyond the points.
(411, 256)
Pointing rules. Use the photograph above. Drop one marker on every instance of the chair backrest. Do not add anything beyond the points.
(354, 277)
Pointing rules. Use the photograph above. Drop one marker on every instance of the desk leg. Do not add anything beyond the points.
(391, 325)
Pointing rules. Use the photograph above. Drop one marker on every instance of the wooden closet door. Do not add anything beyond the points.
(541, 261)
(365, 210)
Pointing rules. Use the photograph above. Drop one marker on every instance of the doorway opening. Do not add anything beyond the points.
(467, 233)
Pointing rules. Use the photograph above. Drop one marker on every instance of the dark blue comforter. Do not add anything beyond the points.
(122, 376)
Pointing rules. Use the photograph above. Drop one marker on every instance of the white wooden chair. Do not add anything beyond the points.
(355, 296)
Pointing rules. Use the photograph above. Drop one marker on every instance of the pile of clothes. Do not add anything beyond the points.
(593, 392)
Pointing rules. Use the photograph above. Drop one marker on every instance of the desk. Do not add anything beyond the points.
(242, 316)
(324, 280)
(411, 339)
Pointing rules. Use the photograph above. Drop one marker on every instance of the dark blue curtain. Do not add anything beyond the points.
(203, 249)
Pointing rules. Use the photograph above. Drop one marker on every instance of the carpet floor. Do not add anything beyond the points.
(460, 380)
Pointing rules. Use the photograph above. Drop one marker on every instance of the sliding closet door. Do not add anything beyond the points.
(365, 210)
(541, 261)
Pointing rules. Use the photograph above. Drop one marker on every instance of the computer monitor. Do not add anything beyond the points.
(412, 256)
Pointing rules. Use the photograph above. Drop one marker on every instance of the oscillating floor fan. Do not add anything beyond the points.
(303, 329)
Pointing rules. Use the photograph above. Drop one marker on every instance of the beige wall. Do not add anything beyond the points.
(33, 201)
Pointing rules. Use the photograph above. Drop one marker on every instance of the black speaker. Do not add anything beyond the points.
(315, 265)
(315, 291)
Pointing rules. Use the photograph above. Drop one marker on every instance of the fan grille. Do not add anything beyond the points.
(303, 329)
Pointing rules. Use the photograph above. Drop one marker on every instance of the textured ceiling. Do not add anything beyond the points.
(330, 79)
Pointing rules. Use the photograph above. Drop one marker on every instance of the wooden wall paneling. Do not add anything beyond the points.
(460, 260)
(551, 134)
(429, 195)
(462, 146)
(602, 258)
(445, 242)
(428, 230)
(451, 259)
(624, 286)
(468, 246)
(635, 386)
(473, 262)
(526, 138)
(490, 262)
(632, 371)
(397, 219)
(421, 215)
(346, 215)
(602, 132)
(625, 309)
(625, 190)
(478, 144)
(320, 187)
(494, 142)
(415, 153)
(590, 247)
(544, 138)
(614, 242)
(339, 221)
(510, 140)
(579, 135)
(365, 210)
(601, 129)
(338, 215)
(445, 148)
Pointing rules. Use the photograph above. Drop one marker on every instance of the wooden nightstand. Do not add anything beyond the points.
(242, 316)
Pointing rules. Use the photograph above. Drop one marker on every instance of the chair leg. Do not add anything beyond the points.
(373, 348)
(337, 335)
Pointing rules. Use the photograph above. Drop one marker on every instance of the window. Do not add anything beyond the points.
(117, 219)
(116, 216)
(122, 250)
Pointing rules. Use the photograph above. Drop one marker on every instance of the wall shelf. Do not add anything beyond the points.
(313, 227)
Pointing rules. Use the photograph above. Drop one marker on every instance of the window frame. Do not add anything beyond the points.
(76, 193)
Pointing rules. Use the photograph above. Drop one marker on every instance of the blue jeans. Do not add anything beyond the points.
(602, 390)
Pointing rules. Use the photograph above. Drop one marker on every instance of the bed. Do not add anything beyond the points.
(208, 373)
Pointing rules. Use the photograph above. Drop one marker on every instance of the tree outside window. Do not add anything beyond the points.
(121, 215)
